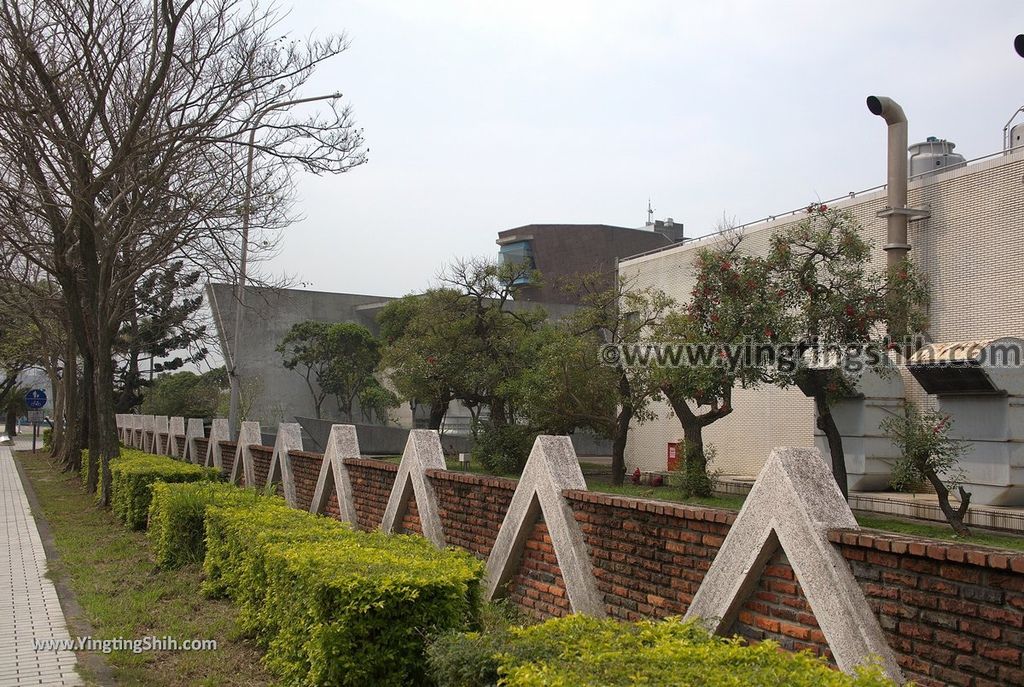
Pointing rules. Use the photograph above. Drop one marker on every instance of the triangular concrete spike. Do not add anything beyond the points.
(551, 468)
(342, 443)
(190, 453)
(160, 427)
(422, 452)
(793, 504)
(289, 438)
(175, 429)
(248, 435)
(219, 431)
(148, 437)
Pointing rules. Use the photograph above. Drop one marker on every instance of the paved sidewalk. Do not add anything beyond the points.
(29, 608)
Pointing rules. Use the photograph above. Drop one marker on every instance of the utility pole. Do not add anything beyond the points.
(234, 414)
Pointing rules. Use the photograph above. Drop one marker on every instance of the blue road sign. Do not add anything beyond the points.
(35, 399)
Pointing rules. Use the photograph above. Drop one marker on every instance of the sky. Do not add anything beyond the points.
(482, 116)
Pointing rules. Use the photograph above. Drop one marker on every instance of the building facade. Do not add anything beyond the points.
(971, 247)
(561, 251)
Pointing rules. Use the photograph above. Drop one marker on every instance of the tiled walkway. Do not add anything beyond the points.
(29, 609)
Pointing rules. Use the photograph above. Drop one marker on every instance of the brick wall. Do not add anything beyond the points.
(261, 457)
(371, 486)
(953, 614)
(179, 441)
(537, 586)
(649, 556)
(306, 472)
(202, 445)
(471, 507)
(227, 458)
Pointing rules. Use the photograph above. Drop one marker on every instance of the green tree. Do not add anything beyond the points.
(930, 454)
(161, 322)
(731, 305)
(615, 321)
(353, 355)
(821, 270)
(185, 394)
(461, 341)
(335, 360)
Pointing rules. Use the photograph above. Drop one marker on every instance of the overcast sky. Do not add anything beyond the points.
(482, 116)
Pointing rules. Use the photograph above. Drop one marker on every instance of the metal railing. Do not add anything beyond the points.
(803, 209)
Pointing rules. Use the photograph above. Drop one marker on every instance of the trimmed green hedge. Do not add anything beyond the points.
(132, 474)
(333, 606)
(579, 651)
(177, 518)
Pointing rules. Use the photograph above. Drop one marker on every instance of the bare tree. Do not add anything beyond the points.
(125, 128)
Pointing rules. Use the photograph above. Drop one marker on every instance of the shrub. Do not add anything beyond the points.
(177, 516)
(333, 606)
(132, 474)
(48, 438)
(580, 651)
(930, 455)
(504, 450)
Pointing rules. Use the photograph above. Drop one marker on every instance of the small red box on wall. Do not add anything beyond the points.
(673, 456)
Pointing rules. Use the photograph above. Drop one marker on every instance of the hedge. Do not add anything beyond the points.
(177, 517)
(333, 606)
(132, 474)
(579, 651)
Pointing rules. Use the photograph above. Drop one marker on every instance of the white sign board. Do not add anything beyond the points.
(36, 416)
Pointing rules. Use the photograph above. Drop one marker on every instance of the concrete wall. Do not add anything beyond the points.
(971, 248)
(282, 395)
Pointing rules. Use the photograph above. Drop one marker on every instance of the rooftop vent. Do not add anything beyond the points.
(933, 155)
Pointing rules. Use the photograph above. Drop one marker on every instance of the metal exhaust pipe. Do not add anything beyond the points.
(1018, 44)
(896, 244)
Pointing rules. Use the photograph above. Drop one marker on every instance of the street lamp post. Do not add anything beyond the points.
(234, 414)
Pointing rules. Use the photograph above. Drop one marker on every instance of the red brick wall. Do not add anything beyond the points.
(537, 587)
(649, 556)
(261, 457)
(954, 615)
(202, 445)
(471, 507)
(179, 441)
(371, 487)
(306, 472)
(227, 458)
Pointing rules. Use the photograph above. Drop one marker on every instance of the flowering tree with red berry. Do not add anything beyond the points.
(730, 305)
(837, 300)
(929, 454)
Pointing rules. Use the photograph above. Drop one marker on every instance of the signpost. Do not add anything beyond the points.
(35, 400)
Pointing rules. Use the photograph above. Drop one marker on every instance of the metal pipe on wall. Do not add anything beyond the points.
(896, 243)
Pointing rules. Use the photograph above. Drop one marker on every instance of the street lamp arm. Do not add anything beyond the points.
(234, 415)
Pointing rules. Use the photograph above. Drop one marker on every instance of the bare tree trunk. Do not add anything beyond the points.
(620, 433)
(955, 517)
(105, 428)
(437, 413)
(88, 437)
(827, 424)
